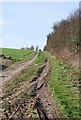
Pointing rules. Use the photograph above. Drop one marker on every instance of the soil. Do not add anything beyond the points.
(45, 104)
(34, 99)
(5, 61)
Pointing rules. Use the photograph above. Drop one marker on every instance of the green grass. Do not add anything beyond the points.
(63, 83)
(40, 59)
(18, 55)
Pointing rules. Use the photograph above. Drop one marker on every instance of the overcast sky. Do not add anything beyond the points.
(26, 24)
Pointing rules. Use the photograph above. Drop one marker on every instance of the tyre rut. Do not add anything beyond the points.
(46, 106)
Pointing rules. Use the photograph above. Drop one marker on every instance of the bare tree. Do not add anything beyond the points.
(22, 48)
(37, 48)
(32, 47)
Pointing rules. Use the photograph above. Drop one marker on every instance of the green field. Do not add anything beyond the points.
(18, 55)
(64, 85)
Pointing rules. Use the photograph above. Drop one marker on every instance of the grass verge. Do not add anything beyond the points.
(64, 85)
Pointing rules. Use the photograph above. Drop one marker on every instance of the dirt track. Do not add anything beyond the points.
(45, 104)
(35, 101)
(9, 73)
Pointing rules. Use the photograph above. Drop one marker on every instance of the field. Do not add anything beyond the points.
(62, 81)
(18, 55)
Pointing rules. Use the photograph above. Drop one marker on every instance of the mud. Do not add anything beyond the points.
(5, 61)
(45, 104)
(34, 102)
(6, 57)
(2, 67)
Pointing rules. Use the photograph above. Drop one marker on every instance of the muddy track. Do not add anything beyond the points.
(45, 104)
(34, 101)
(9, 73)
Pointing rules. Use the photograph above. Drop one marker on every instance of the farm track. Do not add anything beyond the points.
(9, 73)
(45, 104)
(39, 103)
